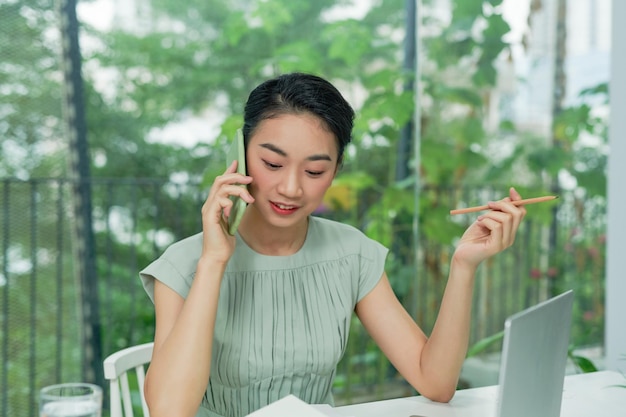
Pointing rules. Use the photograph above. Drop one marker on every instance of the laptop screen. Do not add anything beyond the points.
(534, 356)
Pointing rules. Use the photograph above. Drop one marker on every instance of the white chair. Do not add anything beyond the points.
(116, 369)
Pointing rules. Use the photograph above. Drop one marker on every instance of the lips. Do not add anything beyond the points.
(284, 208)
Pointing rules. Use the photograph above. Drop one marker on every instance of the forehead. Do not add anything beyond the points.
(296, 134)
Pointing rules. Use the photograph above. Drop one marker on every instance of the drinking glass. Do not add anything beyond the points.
(73, 399)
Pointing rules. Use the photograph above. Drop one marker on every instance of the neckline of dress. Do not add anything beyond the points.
(311, 222)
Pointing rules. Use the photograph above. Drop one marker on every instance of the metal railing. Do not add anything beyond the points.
(135, 219)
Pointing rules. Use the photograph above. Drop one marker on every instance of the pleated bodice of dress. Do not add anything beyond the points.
(282, 322)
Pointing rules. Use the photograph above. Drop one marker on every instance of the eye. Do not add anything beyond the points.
(315, 173)
(271, 165)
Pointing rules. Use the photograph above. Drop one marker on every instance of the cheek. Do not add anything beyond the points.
(259, 181)
(319, 187)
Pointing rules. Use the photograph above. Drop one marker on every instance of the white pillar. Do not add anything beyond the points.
(615, 328)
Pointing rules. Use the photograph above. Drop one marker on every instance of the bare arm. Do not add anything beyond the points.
(180, 367)
(179, 372)
(432, 365)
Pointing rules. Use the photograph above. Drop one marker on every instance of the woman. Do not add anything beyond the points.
(242, 321)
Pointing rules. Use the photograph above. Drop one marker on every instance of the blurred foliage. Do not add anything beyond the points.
(583, 364)
(486, 344)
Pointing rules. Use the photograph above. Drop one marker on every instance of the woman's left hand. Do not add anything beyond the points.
(492, 232)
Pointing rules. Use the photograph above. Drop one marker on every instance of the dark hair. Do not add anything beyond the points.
(296, 93)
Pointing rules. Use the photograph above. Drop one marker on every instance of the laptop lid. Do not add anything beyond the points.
(534, 356)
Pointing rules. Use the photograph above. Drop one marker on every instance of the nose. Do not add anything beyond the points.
(290, 185)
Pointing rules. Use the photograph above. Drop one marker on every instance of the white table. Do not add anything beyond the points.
(584, 395)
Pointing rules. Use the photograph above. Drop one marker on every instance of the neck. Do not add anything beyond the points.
(266, 239)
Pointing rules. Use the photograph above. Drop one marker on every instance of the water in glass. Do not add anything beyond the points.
(71, 409)
(74, 399)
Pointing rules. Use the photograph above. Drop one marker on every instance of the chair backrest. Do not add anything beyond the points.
(116, 369)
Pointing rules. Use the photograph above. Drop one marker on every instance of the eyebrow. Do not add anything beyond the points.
(315, 157)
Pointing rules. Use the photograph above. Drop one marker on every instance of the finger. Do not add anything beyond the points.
(495, 230)
(215, 208)
(232, 178)
(232, 167)
(511, 225)
(227, 207)
(229, 179)
(221, 205)
(514, 195)
(506, 205)
(224, 224)
(503, 223)
(520, 212)
(236, 191)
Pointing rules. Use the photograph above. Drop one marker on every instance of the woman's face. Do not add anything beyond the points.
(292, 160)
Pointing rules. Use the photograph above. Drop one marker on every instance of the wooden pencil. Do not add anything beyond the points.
(516, 203)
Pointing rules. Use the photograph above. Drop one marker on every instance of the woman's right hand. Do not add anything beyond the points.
(217, 244)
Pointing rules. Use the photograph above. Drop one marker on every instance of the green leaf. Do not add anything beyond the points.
(349, 41)
(584, 364)
(357, 180)
(235, 28)
(483, 344)
(485, 74)
(298, 56)
(463, 95)
(496, 28)
(273, 15)
(467, 9)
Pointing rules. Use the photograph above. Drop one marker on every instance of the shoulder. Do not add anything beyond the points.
(181, 256)
(175, 267)
(342, 238)
(334, 227)
(184, 248)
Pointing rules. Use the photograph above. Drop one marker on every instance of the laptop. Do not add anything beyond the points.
(534, 356)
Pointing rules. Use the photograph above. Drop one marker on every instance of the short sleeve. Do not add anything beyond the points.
(372, 266)
(176, 267)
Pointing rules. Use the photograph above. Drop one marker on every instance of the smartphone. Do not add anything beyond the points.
(237, 151)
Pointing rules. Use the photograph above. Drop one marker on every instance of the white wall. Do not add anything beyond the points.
(615, 339)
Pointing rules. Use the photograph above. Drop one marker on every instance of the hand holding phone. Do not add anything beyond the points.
(237, 151)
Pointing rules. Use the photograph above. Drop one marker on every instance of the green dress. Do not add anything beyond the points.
(282, 321)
